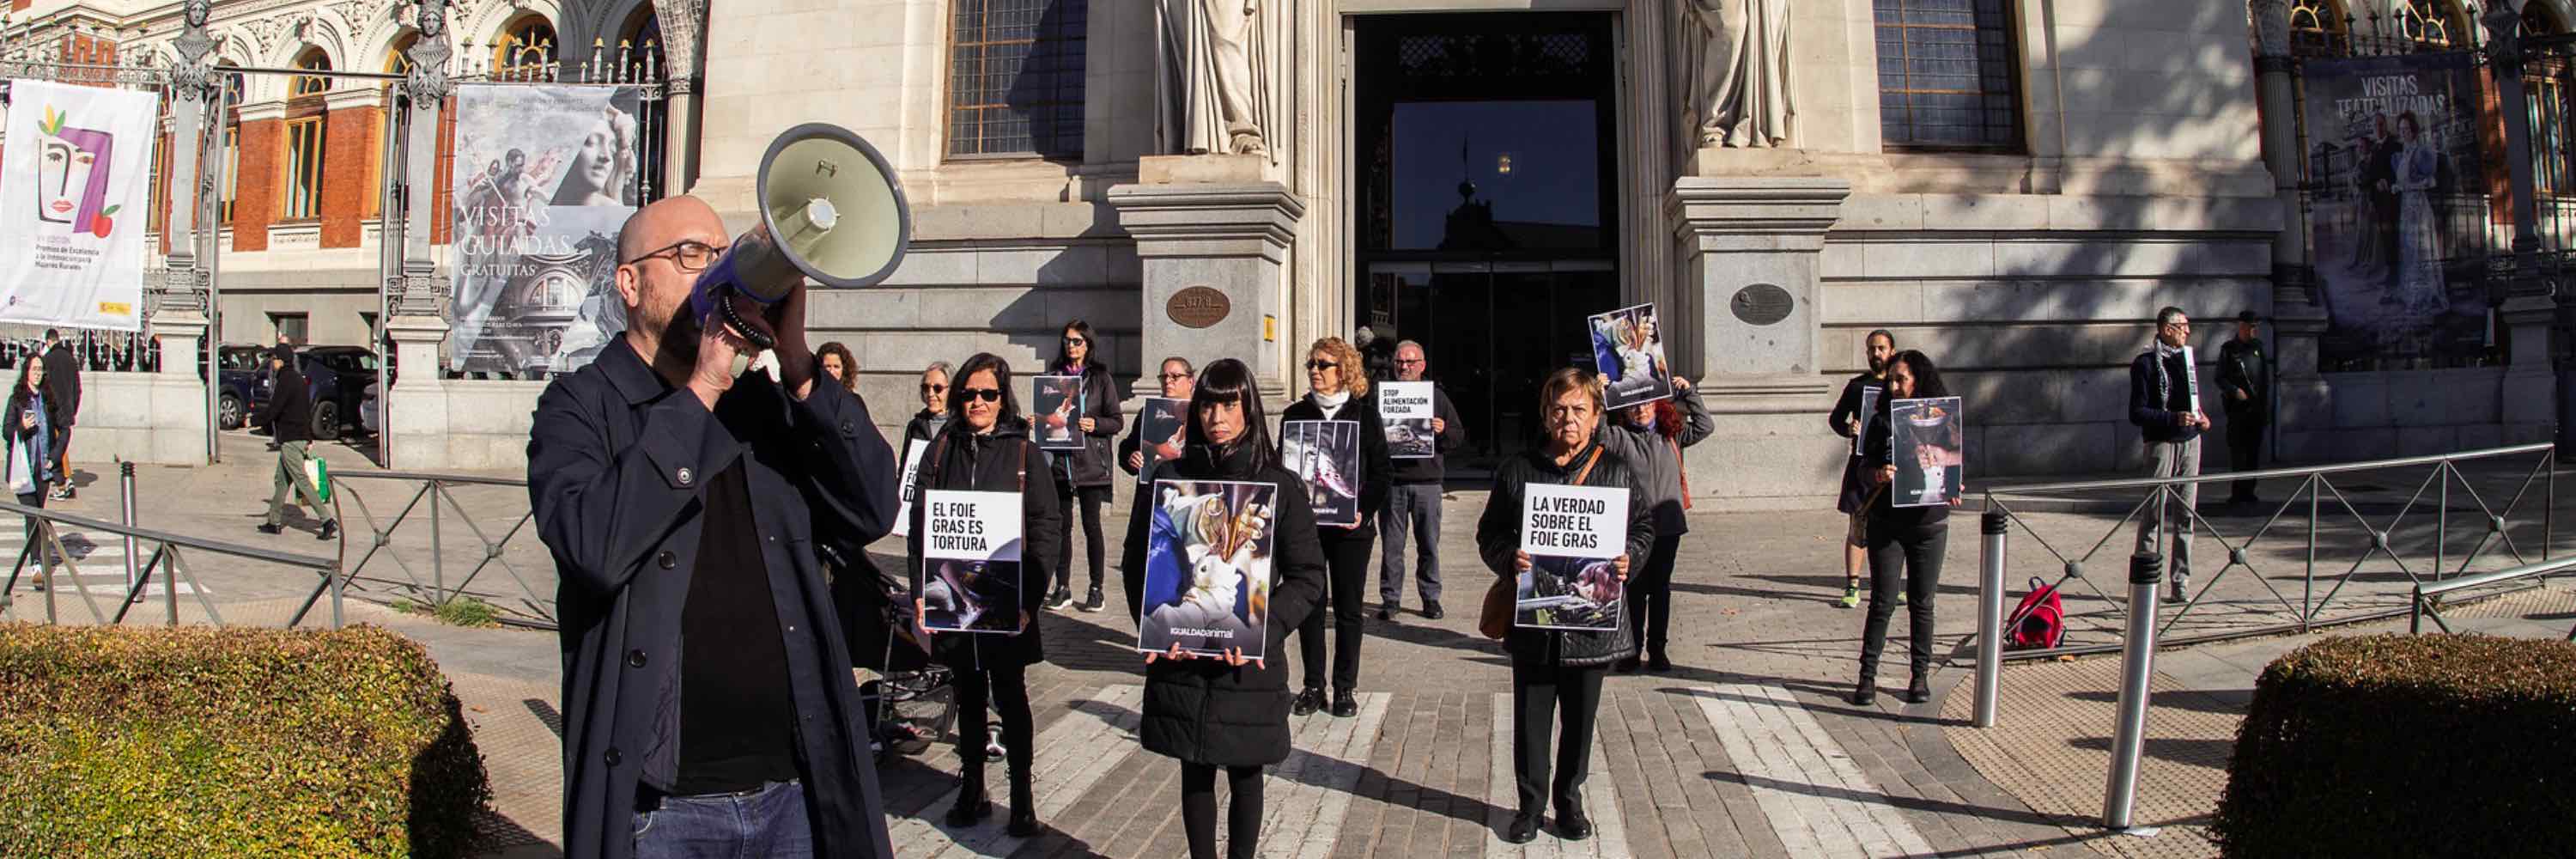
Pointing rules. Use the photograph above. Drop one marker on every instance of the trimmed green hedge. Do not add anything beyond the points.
(201, 742)
(2395, 745)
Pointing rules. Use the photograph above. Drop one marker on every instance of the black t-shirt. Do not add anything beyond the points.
(737, 716)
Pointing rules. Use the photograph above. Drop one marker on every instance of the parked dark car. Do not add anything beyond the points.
(242, 382)
(338, 401)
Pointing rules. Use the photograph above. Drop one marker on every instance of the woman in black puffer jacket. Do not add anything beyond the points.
(1084, 475)
(1555, 671)
(1228, 713)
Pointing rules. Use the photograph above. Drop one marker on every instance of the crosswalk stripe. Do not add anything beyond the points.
(1775, 741)
(1600, 802)
(1305, 798)
(1072, 755)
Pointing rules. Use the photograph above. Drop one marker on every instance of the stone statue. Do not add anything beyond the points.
(1738, 93)
(427, 78)
(1214, 74)
(195, 12)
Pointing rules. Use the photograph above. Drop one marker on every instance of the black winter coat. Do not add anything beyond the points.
(1202, 710)
(1090, 466)
(617, 462)
(1498, 538)
(289, 413)
(923, 427)
(1000, 461)
(1856, 484)
(63, 386)
(1377, 471)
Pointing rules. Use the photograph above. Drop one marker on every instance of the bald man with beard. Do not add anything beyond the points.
(709, 708)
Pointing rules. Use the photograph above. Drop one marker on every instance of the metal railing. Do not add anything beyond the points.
(169, 562)
(2427, 601)
(2319, 513)
(528, 607)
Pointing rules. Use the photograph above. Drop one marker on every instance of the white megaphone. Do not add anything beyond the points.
(830, 210)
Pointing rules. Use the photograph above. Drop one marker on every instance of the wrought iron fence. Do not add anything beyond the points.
(58, 570)
(488, 547)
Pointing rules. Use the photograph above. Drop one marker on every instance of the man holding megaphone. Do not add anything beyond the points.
(708, 702)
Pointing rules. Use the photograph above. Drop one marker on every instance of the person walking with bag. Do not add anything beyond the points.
(1650, 438)
(29, 430)
(987, 449)
(1905, 543)
(289, 417)
(1555, 672)
(1084, 474)
(1228, 713)
(1338, 392)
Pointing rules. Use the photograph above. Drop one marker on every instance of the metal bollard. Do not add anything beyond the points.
(125, 499)
(1990, 617)
(2137, 663)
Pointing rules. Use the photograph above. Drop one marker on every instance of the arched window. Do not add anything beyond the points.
(524, 48)
(2434, 25)
(2548, 77)
(300, 195)
(639, 48)
(2320, 28)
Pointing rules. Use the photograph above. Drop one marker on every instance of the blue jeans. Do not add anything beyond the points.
(760, 824)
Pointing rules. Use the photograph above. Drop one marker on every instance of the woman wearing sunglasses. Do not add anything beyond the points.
(934, 406)
(1083, 474)
(987, 449)
(1337, 390)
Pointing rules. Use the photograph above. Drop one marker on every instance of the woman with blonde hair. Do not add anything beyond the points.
(1339, 391)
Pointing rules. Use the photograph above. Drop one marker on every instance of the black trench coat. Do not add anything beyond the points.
(616, 462)
(958, 459)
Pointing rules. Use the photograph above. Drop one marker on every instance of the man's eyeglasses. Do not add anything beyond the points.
(688, 254)
(1175, 377)
(1407, 362)
(990, 395)
(1322, 365)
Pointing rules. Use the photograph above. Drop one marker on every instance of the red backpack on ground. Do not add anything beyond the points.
(2039, 622)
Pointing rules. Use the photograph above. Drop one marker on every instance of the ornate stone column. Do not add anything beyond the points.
(415, 418)
(1213, 235)
(1750, 246)
(180, 316)
(683, 36)
(2534, 397)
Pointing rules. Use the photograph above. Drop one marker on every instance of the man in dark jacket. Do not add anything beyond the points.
(2245, 382)
(289, 418)
(2164, 403)
(1850, 419)
(62, 398)
(1413, 502)
(707, 697)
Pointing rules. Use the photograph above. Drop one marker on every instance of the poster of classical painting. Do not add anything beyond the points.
(1928, 450)
(1574, 536)
(1628, 349)
(969, 576)
(2399, 212)
(1056, 413)
(1325, 454)
(1406, 409)
(73, 181)
(1207, 567)
(544, 176)
(1161, 432)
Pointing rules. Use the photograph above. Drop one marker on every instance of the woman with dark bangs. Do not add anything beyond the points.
(1905, 543)
(1228, 713)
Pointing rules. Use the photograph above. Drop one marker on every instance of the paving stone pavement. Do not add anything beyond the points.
(1747, 749)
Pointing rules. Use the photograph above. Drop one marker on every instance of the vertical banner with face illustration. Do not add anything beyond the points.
(1326, 454)
(1405, 408)
(1628, 349)
(2401, 206)
(1574, 536)
(72, 186)
(1056, 412)
(969, 576)
(1929, 451)
(1207, 567)
(545, 175)
(911, 474)
(1161, 433)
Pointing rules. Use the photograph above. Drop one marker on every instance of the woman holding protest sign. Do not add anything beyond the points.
(1905, 543)
(1228, 712)
(1555, 670)
(1084, 475)
(986, 448)
(1337, 390)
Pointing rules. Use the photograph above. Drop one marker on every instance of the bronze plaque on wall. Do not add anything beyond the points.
(1762, 304)
(1197, 307)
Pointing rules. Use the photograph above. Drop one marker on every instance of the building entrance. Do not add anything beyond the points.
(1487, 217)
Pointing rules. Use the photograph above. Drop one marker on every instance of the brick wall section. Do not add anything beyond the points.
(442, 212)
(263, 148)
(350, 140)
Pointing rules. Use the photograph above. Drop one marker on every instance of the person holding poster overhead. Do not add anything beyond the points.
(1229, 712)
(1175, 379)
(987, 450)
(1554, 670)
(1650, 436)
(2164, 403)
(1905, 543)
(1852, 411)
(1083, 474)
(1338, 391)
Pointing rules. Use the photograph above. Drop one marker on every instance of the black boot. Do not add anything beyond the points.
(1524, 828)
(1920, 690)
(1867, 692)
(972, 807)
(1571, 824)
(1345, 704)
(1024, 805)
(1307, 702)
